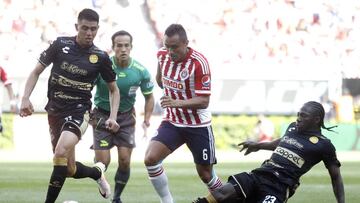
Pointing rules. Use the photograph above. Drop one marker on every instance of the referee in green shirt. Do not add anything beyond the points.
(130, 76)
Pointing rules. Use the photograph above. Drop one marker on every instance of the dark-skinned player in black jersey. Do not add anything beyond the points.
(76, 63)
(301, 147)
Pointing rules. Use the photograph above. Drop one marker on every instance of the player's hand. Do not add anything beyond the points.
(250, 146)
(112, 125)
(26, 108)
(145, 125)
(166, 101)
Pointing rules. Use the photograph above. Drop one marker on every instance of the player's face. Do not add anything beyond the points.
(86, 32)
(177, 48)
(306, 120)
(122, 47)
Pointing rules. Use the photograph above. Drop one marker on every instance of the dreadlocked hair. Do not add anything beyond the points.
(319, 109)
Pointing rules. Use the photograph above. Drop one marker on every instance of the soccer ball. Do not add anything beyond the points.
(70, 201)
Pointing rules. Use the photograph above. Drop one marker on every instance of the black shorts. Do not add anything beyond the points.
(259, 188)
(104, 139)
(77, 123)
(200, 141)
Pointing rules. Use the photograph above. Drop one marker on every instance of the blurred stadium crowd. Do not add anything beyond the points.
(314, 39)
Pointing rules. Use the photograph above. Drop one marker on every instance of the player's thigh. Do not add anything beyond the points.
(76, 122)
(103, 156)
(201, 144)
(102, 138)
(245, 185)
(271, 190)
(169, 135)
(166, 140)
(125, 137)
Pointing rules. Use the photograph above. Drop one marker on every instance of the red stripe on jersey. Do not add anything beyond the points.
(176, 114)
(167, 109)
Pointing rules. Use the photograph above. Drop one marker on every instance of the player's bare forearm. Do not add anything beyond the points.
(149, 107)
(337, 183)
(32, 80)
(198, 102)
(158, 77)
(114, 98)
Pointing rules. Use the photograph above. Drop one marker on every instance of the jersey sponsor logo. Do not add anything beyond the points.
(62, 95)
(93, 58)
(173, 84)
(132, 90)
(66, 82)
(291, 129)
(314, 139)
(290, 155)
(122, 75)
(65, 50)
(205, 80)
(67, 41)
(292, 141)
(150, 84)
(73, 68)
(184, 74)
(104, 143)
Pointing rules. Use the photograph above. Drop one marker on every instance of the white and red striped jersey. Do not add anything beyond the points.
(184, 80)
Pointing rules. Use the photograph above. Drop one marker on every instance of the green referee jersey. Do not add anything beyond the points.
(128, 80)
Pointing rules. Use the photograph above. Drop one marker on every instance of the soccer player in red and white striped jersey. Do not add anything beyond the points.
(184, 75)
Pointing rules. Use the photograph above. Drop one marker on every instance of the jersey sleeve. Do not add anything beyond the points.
(48, 55)
(106, 71)
(202, 77)
(329, 155)
(146, 84)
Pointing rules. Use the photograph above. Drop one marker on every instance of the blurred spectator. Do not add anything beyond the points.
(264, 129)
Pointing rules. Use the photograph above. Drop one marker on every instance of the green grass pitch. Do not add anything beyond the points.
(27, 183)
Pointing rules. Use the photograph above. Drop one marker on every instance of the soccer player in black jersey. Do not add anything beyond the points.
(76, 63)
(301, 147)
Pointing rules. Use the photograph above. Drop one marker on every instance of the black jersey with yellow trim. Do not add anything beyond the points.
(297, 153)
(73, 73)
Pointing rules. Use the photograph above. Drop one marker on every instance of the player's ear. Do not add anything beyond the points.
(76, 27)
(186, 42)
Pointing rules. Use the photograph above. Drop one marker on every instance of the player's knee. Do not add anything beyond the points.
(60, 151)
(150, 160)
(71, 169)
(124, 164)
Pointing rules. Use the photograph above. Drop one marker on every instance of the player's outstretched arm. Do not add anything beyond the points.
(26, 107)
(251, 146)
(337, 183)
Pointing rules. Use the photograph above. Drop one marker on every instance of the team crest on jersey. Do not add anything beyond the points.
(93, 58)
(205, 80)
(314, 139)
(184, 74)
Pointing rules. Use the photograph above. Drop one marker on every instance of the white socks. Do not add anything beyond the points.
(159, 180)
(214, 183)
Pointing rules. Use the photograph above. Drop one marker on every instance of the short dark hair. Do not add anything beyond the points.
(178, 29)
(88, 14)
(120, 33)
